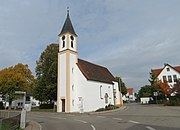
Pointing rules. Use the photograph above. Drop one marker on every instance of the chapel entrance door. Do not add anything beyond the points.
(63, 105)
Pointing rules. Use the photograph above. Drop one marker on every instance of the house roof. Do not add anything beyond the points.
(67, 27)
(95, 72)
(158, 71)
(130, 91)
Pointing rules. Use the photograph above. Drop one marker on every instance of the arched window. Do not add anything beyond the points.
(73, 102)
(106, 98)
(63, 39)
(72, 39)
(73, 87)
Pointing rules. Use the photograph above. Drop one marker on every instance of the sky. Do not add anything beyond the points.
(129, 37)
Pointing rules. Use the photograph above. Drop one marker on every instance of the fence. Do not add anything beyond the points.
(9, 120)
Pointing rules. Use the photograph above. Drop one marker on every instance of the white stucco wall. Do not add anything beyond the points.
(73, 60)
(89, 95)
(63, 75)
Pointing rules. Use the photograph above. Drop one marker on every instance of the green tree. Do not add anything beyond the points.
(146, 91)
(153, 78)
(45, 88)
(15, 78)
(122, 86)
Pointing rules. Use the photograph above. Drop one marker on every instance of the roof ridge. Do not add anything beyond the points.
(93, 63)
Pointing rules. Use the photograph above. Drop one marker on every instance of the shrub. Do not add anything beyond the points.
(173, 101)
(107, 107)
(46, 106)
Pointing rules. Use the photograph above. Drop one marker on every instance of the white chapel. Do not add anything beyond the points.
(82, 86)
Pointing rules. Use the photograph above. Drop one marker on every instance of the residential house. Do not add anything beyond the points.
(168, 73)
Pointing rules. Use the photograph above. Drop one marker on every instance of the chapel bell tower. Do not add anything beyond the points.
(67, 59)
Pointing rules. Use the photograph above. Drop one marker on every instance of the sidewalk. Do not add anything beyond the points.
(32, 125)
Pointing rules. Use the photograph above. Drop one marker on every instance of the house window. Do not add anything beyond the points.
(168, 69)
(169, 79)
(175, 78)
(164, 78)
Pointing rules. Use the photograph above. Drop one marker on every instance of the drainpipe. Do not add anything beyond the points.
(114, 96)
(121, 101)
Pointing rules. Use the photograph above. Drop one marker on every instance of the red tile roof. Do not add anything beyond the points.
(95, 72)
(130, 91)
(158, 71)
(177, 68)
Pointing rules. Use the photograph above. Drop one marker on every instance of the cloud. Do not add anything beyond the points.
(128, 37)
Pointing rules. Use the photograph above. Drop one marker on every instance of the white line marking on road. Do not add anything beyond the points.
(70, 115)
(93, 127)
(135, 122)
(150, 128)
(80, 121)
(117, 119)
(101, 116)
(58, 118)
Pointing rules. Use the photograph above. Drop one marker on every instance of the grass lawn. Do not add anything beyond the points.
(43, 110)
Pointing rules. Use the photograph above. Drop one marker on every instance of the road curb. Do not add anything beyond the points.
(109, 111)
(32, 125)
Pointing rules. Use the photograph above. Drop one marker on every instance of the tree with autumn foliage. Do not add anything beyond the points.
(15, 78)
(162, 88)
(45, 88)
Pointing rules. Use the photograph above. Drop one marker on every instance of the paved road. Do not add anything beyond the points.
(134, 117)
